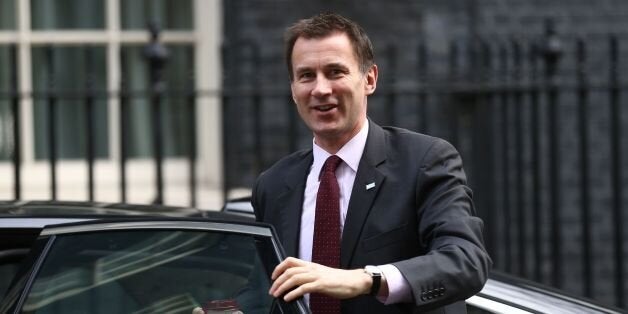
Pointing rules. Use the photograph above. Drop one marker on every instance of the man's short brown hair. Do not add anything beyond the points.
(325, 24)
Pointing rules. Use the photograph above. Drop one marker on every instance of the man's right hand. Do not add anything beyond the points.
(295, 278)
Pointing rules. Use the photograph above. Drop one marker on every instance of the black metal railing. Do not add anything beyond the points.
(538, 121)
(52, 97)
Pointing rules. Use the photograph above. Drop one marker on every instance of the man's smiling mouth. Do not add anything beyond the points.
(325, 108)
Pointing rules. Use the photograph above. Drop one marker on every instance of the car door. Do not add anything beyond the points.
(150, 266)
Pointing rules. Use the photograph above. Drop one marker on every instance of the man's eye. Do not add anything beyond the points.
(306, 75)
(336, 72)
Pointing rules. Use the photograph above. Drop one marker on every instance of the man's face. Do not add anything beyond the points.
(329, 88)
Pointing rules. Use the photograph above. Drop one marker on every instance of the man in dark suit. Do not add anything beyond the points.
(402, 237)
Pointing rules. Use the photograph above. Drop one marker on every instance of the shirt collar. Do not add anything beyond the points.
(350, 153)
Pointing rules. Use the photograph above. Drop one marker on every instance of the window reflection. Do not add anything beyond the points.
(149, 272)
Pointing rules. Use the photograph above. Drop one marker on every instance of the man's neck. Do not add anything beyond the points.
(333, 144)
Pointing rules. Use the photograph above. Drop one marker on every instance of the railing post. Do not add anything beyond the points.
(123, 123)
(502, 57)
(258, 120)
(15, 108)
(535, 163)
(90, 136)
(517, 56)
(156, 55)
(617, 169)
(551, 51)
(488, 162)
(224, 97)
(52, 118)
(583, 128)
(192, 151)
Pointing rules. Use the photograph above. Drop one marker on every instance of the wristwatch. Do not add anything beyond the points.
(376, 275)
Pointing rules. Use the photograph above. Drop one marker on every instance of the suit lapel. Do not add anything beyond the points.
(290, 205)
(368, 182)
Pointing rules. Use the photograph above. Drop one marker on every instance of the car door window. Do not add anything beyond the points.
(151, 272)
(14, 246)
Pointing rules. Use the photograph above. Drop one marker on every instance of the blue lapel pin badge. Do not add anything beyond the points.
(370, 186)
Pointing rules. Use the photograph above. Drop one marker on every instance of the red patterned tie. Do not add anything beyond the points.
(326, 243)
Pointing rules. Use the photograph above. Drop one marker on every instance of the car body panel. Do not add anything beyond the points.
(531, 297)
(485, 305)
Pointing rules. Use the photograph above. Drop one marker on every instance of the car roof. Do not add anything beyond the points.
(37, 214)
(70, 208)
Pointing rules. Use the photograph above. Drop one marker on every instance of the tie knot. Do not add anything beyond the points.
(331, 163)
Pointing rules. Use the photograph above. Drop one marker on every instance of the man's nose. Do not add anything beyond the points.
(322, 87)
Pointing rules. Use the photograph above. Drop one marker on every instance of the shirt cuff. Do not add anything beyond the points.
(398, 287)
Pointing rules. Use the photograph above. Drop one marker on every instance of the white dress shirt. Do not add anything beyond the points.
(350, 153)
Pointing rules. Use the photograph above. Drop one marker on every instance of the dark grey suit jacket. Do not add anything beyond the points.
(419, 217)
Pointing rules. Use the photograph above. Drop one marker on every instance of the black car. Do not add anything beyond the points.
(73, 257)
(113, 258)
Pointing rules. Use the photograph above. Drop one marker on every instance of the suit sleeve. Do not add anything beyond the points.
(456, 264)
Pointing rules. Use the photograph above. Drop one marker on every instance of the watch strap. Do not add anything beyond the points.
(376, 276)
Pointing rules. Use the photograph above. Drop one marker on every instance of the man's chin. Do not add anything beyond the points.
(327, 132)
(331, 137)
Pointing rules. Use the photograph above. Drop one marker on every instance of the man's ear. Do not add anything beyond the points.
(371, 80)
